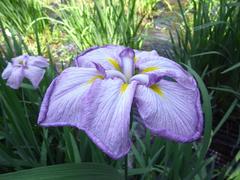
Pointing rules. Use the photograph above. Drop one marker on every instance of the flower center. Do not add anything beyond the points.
(127, 72)
(22, 63)
(127, 61)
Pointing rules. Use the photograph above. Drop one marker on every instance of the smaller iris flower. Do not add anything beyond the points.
(97, 96)
(31, 67)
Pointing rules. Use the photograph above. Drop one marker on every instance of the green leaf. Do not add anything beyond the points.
(229, 90)
(226, 116)
(138, 156)
(138, 171)
(83, 171)
(207, 109)
(207, 53)
(207, 135)
(237, 65)
(71, 146)
(27, 86)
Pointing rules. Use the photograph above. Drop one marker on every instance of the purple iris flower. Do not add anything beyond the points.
(31, 67)
(96, 96)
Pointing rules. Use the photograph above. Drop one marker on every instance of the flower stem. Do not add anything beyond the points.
(40, 93)
(126, 157)
(126, 166)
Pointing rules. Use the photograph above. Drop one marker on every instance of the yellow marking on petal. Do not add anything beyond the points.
(114, 63)
(123, 87)
(149, 69)
(156, 89)
(22, 62)
(90, 81)
(135, 59)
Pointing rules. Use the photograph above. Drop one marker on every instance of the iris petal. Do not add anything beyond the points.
(16, 77)
(127, 61)
(7, 71)
(106, 56)
(34, 74)
(144, 56)
(20, 60)
(170, 110)
(63, 100)
(107, 118)
(38, 61)
(151, 63)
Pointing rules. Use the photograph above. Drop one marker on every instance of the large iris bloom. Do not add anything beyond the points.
(96, 96)
(31, 67)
